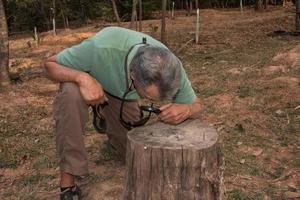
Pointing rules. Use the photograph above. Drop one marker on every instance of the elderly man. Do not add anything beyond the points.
(113, 69)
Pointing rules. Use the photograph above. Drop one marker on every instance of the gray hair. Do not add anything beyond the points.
(159, 66)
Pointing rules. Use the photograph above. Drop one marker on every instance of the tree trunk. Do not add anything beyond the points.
(53, 17)
(83, 15)
(258, 4)
(187, 8)
(173, 7)
(197, 26)
(133, 13)
(241, 6)
(116, 12)
(44, 14)
(197, 5)
(63, 14)
(163, 21)
(174, 162)
(265, 4)
(4, 47)
(140, 16)
(297, 15)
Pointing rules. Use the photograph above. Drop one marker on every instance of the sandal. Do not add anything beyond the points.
(99, 121)
(70, 192)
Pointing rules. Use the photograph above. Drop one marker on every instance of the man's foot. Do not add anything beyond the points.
(69, 192)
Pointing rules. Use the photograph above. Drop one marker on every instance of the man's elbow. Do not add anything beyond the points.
(47, 64)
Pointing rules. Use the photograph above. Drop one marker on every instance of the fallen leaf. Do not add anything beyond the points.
(255, 151)
(292, 195)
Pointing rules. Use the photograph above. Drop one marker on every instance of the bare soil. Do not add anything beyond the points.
(248, 81)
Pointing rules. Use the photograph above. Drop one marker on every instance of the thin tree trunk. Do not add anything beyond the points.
(53, 17)
(116, 12)
(140, 16)
(133, 13)
(187, 8)
(163, 21)
(297, 15)
(173, 7)
(197, 5)
(4, 47)
(258, 4)
(197, 26)
(66, 14)
(265, 4)
(241, 6)
(63, 14)
(84, 18)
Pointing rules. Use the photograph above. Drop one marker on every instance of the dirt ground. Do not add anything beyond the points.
(248, 80)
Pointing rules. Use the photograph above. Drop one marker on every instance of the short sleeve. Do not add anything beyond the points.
(185, 93)
(80, 57)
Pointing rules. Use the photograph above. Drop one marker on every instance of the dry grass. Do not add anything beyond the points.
(253, 111)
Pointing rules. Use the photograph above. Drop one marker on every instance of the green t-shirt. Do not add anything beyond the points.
(103, 57)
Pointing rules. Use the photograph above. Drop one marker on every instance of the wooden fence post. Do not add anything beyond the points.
(166, 162)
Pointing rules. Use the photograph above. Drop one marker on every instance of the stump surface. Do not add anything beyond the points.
(166, 162)
(188, 135)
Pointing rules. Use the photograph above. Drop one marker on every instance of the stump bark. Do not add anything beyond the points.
(166, 162)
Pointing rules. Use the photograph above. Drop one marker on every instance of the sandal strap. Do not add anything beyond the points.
(69, 192)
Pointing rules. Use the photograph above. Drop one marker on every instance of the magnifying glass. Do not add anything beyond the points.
(150, 109)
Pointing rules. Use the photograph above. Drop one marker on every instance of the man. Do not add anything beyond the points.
(113, 69)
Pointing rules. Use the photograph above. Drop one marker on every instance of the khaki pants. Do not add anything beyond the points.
(71, 115)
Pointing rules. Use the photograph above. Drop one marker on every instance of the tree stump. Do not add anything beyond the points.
(166, 162)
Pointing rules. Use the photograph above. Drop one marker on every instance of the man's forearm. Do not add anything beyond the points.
(196, 109)
(60, 73)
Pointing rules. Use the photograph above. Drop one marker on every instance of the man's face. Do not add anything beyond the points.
(150, 92)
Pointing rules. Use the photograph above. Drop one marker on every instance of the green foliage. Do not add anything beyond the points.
(26, 14)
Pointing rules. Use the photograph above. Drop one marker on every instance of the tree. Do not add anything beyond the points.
(265, 4)
(297, 16)
(133, 13)
(116, 12)
(53, 8)
(140, 15)
(258, 4)
(4, 47)
(63, 14)
(42, 6)
(163, 21)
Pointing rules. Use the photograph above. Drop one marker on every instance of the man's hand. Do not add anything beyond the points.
(175, 113)
(90, 89)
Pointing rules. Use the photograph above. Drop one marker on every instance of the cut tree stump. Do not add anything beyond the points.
(166, 162)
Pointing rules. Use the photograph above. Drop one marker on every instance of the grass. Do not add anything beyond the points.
(107, 153)
(238, 194)
(6, 162)
(251, 120)
(297, 160)
(44, 161)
